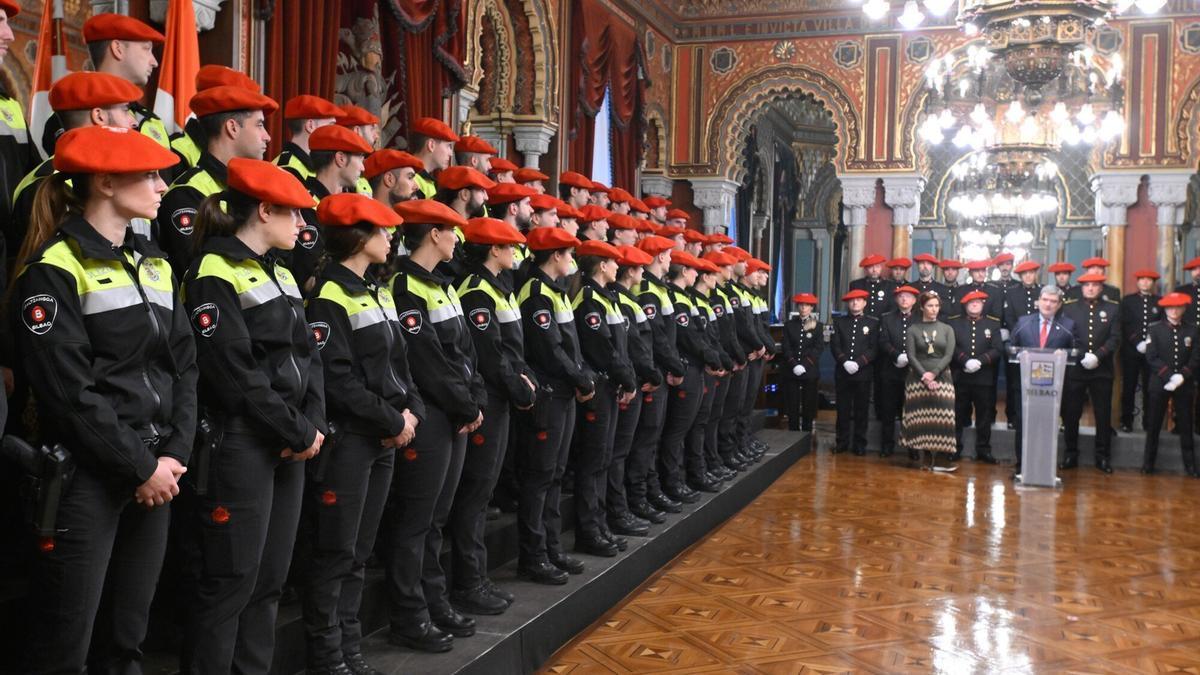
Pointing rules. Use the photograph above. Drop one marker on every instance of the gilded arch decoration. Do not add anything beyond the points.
(527, 76)
(657, 132)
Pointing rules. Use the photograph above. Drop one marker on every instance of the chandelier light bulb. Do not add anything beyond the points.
(1116, 68)
(964, 137)
(1123, 6)
(938, 7)
(931, 131)
(1086, 115)
(1015, 112)
(964, 86)
(1151, 6)
(876, 9)
(1070, 134)
(979, 115)
(912, 16)
(1030, 130)
(1112, 126)
(970, 29)
(1059, 114)
(1089, 135)
(946, 119)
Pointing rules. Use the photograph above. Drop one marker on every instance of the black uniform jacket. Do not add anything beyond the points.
(802, 346)
(498, 335)
(1096, 330)
(551, 340)
(640, 337)
(879, 295)
(656, 305)
(1138, 311)
(689, 333)
(1019, 301)
(1172, 349)
(602, 334)
(976, 339)
(893, 336)
(855, 338)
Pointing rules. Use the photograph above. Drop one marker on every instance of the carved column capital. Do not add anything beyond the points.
(657, 184)
(206, 12)
(1115, 193)
(1169, 192)
(903, 194)
(533, 140)
(715, 196)
(858, 195)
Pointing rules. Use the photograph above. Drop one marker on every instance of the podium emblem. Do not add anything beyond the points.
(1041, 374)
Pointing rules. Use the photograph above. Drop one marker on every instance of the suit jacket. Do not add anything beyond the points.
(893, 330)
(976, 339)
(803, 347)
(1097, 330)
(855, 338)
(1028, 332)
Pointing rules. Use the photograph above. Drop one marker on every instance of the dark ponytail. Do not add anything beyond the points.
(222, 215)
(59, 196)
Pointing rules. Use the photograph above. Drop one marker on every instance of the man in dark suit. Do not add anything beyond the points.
(1138, 311)
(1043, 330)
(893, 365)
(855, 343)
(978, 349)
(1097, 337)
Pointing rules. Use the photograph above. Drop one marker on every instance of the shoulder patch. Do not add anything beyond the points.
(650, 311)
(308, 237)
(38, 312)
(184, 220)
(541, 319)
(592, 319)
(205, 318)
(682, 320)
(735, 301)
(411, 320)
(481, 318)
(719, 310)
(320, 332)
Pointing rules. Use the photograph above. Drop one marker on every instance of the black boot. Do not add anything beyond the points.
(1189, 464)
(1148, 461)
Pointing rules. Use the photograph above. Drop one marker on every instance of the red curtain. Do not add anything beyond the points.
(302, 49)
(609, 55)
(424, 50)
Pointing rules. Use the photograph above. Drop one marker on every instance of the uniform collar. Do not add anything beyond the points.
(93, 245)
(589, 282)
(235, 249)
(410, 268)
(617, 289)
(214, 167)
(193, 130)
(316, 187)
(344, 277)
(501, 284)
(546, 280)
(299, 153)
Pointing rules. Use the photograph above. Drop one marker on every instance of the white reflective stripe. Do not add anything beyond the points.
(366, 318)
(108, 299)
(160, 298)
(615, 318)
(291, 289)
(141, 226)
(639, 317)
(19, 134)
(694, 311)
(444, 313)
(564, 316)
(668, 308)
(507, 315)
(259, 295)
(390, 312)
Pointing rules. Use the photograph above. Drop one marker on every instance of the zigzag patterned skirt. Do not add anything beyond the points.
(928, 422)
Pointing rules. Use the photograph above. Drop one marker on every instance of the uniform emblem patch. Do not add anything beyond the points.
(682, 320)
(151, 273)
(320, 333)
(184, 221)
(719, 310)
(650, 311)
(205, 318)
(541, 319)
(866, 330)
(308, 237)
(481, 318)
(987, 333)
(411, 320)
(38, 312)
(592, 319)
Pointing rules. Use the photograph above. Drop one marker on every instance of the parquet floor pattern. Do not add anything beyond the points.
(861, 565)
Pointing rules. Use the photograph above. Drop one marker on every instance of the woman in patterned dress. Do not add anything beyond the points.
(928, 424)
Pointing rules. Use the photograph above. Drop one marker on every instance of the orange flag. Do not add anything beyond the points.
(50, 65)
(180, 63)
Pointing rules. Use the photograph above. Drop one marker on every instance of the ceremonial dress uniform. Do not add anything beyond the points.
(976, 339)
(1138, 312)
(1172, 356)
(1096, 331)
(856, 340)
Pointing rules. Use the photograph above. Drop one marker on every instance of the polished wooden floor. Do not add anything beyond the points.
(860, 565)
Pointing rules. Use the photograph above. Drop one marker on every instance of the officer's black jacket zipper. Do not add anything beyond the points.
(134, 272)
(269, 266)
(373, 291)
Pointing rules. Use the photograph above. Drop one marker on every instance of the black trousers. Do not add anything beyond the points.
(854, 400)
(1157, 412)
(1134, 371)
(695, 461)
(640, 476)
(1076, 390)
(247, 528)
(615, 500)
(728, 441)
(433, 578)
(96, 585)
(545, 443)
(468, 515)
(417, 484)
(979, 399)
(682, 405)
(342, 515)
(891, 391)
(1012, 392)
(595, 428)
(754, 378)
(802, 398)
(712, 446)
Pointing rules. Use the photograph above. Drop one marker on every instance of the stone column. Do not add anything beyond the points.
(858, 195)
(657, 184)
(903, 193)
(492, 134)
(533, 141)
(824, 258)
(716, 196)
(1115, 193)
(206, 12)
(466, 98)
(1168, 193)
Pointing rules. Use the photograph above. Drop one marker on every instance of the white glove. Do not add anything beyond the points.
(1089, 361)
(1004, 334)
(798, 371)
(972, 365)
(902, 360)
(851, 367)
(1173, 383)
(1141, 346)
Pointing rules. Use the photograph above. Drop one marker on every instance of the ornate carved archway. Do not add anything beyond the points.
(523, 31)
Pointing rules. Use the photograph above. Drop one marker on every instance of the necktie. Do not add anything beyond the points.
(1045, 332)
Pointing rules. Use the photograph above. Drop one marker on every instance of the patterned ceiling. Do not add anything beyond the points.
(713, 9)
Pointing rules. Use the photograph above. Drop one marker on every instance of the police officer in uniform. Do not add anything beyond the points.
(978, 269)
(855, 345)
(552, 350)
(979, 349)
(998, 288)
(893, 362)
(1138, 311)
(803, 342)
(432, 141)
(443, 362)
(733, 357)
(1020, 299)
(925, 282)
(362, 122)
(371, 399)
(1096, 266)
(491, 310)
(745, 381)
(757, 280)
(1172, 356)
(1097, 336)
(16, 150)
(111, 361)
(474, 152)
(233, 120)
(392, 176)
(303, 115)
(879, 290)
(501, 170)
(705, 470)
(189, 143)
(263, 387)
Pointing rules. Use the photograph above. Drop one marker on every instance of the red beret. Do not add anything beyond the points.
(741, 254)
(899, 262)
(429, 212)
(720, 259)
(1027, 266)
(501, 165)
(906, 289)
(213, 75)
(110, 150)
(925, 257)
(347, 209)
(463, 178)
(1145, 274)
(671, 231)
(1092, 279)
(307, 106)
(856, 294)
(643, 225)
(355, 116)
(974, 295)
(597, 186)
(694, 236)
(565, 210)
(720, 238)
(119, 27)
(507, 193)
(591, 213)
(382, 161)
(10, 8)
(621, 221)
(654, 244)
(620, 196)
(227, 98)
(756, 265)
(334, 138)
(575, 180)
(656, 202)
(686, 259)
(431, 128)
(84, 91)
(543, 202)
(598, 248)
(1094, 262)
(973, 265)
(492, 232)
(632, 256)
(638, 206)
(268, 183)
(678, 214)
(950, 264)
(1175, 300)
(474, 144)
(1061, 267)
(1192, 264)
(550, 239)
(804, 299)
(1002, 258)
(874, 259)
(526, 174)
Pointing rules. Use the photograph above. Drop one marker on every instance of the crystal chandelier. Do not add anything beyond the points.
(1004, 188)
(912, 14)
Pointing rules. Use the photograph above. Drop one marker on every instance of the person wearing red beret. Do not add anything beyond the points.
(755, 283)
(392, 176)
(189, 142)
(502, 170)
(803, 341)
(372, 402)
(362, 122)
(233, 119)
(1099, 266)
(706, 469)
(445, 369)
(1138, 311)
(552, 351)
(732, 436)
(950, 270)
(598, 195)
(898, 270)
(513, 203)
(531, 177)
(717, 445)
(262, 387)
(978, 354)
(474, 152)
(1192, 289)
(1173, 357)
(17, 150)
(302, 115)
(491, 311)
(620, 201)
(854, 345)
(879, 290)
(432, 141)
(1097, 337)
(893, 364)
(1020, 299)
(118, 381)
(925, 281)
(575, 189)
(658, 208)
(1000, 285)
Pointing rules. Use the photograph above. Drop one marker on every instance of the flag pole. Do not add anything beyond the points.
(58, 60)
